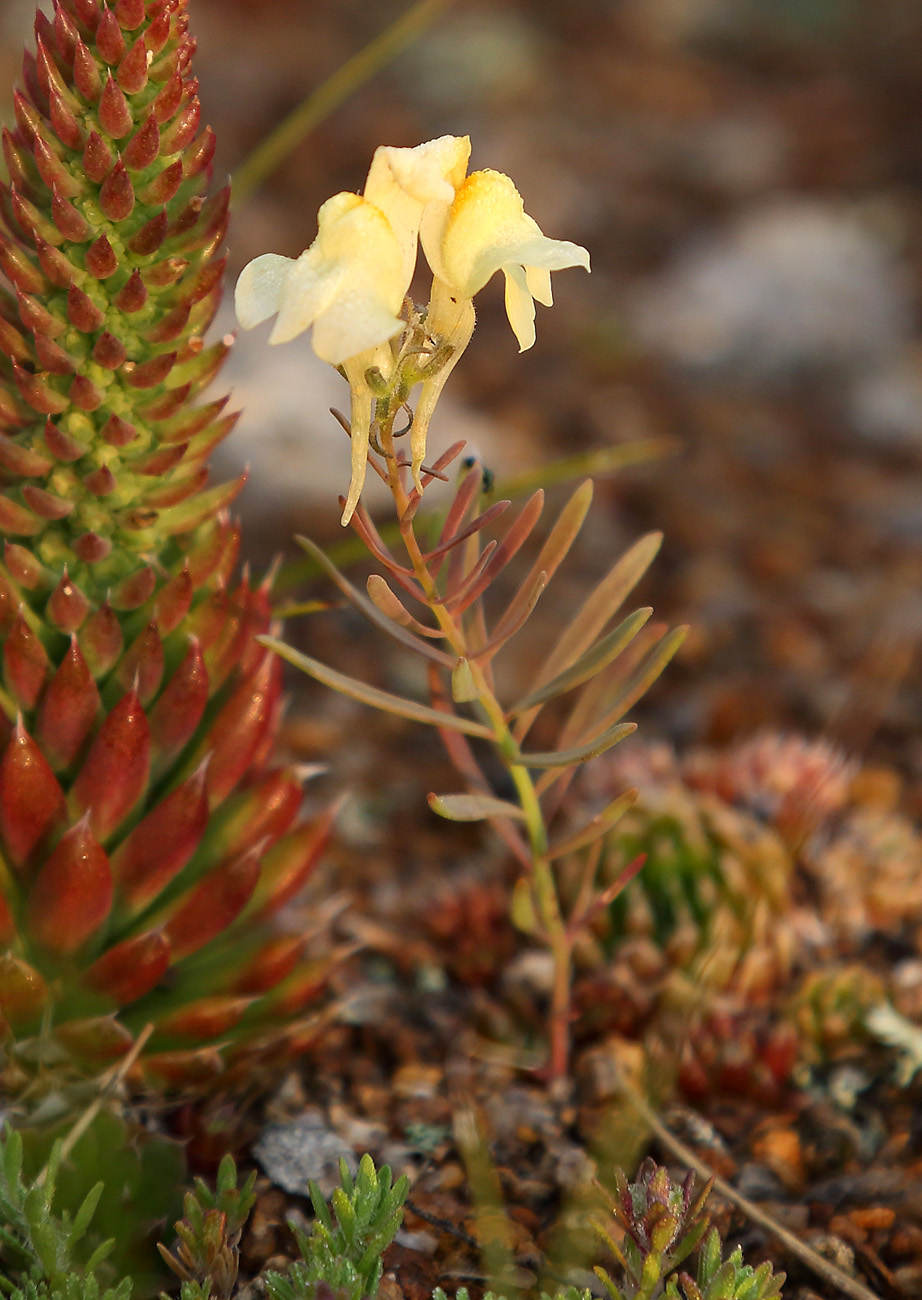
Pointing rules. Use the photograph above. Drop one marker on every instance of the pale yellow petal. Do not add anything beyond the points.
(352, 323)
(309, 288)
(538, 279)
(402, 182)
(520, 307)
(259, 288)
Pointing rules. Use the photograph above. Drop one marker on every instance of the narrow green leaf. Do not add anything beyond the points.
(592, 748)
(378, 699)
(588, 664)
(593, 830)
(84, 1215)
(472, 807)
(600, 605)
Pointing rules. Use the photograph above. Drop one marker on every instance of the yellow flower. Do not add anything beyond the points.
(349, 285)
(402, 182)
(486, 229)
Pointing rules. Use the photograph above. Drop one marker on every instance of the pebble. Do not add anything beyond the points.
(303, 1149)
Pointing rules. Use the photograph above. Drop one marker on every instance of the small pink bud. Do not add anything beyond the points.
(100, 640)
(130, 14)
(61, 445)
(158, 33)
(71, 223)
(101, 482)
(30, 220)
(135, 589)
(19, 270)
(63, 121)
(82, 312)
(86, 74)
(173, 600)
(133, 294)
(143, 147)
(100, 259)
(175, 717)
(39, 394)
(46, 504)
(198, 159)
(114, 773)
(85, 395)
(108, 351)
(36, 316)
(169, 98)
(130, 969)
(118, 432)
(116, 195)
(22, 460)
(171, 326)
(149, 238)
(67, 606)
(65, 33)
(72, 893)
(109, 39)
(132, 72)
(161, 844)
(162, 274)
(68, 710)
(185, 221)
(45, 66)
(31, 801)
(91, 548)
(151, 373)
(26, 569)
(238, 728)
(163, 187)
(98, 158)
(181, 130)
(16, 520)
(52, 358)
(213, 904)
(25, 664)
(142, 664)
(160, 460)
(263, 811)
(113, 112)
(13, 343)
(86, 12)
(59, 269)
(171, 402)
(53, 172)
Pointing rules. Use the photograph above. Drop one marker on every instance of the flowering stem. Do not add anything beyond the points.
(544, 885)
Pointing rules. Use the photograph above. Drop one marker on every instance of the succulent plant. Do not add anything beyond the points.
(144, 836)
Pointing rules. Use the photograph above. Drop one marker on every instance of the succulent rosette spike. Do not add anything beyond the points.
(145, 836)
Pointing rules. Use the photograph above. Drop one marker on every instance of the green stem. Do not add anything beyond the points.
(276, 147)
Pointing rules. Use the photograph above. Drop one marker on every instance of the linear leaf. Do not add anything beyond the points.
(599, 606)
(472, 807)
(514, 619)
(515, 538)
(459, 597)
(371, 611)
(562, 536)
(475, 526)
(592, 662)
(594, 829)
(378, 699)
(392, 607)
(569, 757)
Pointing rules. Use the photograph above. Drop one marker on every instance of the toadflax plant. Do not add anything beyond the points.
(145, 836)
(350, 285)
